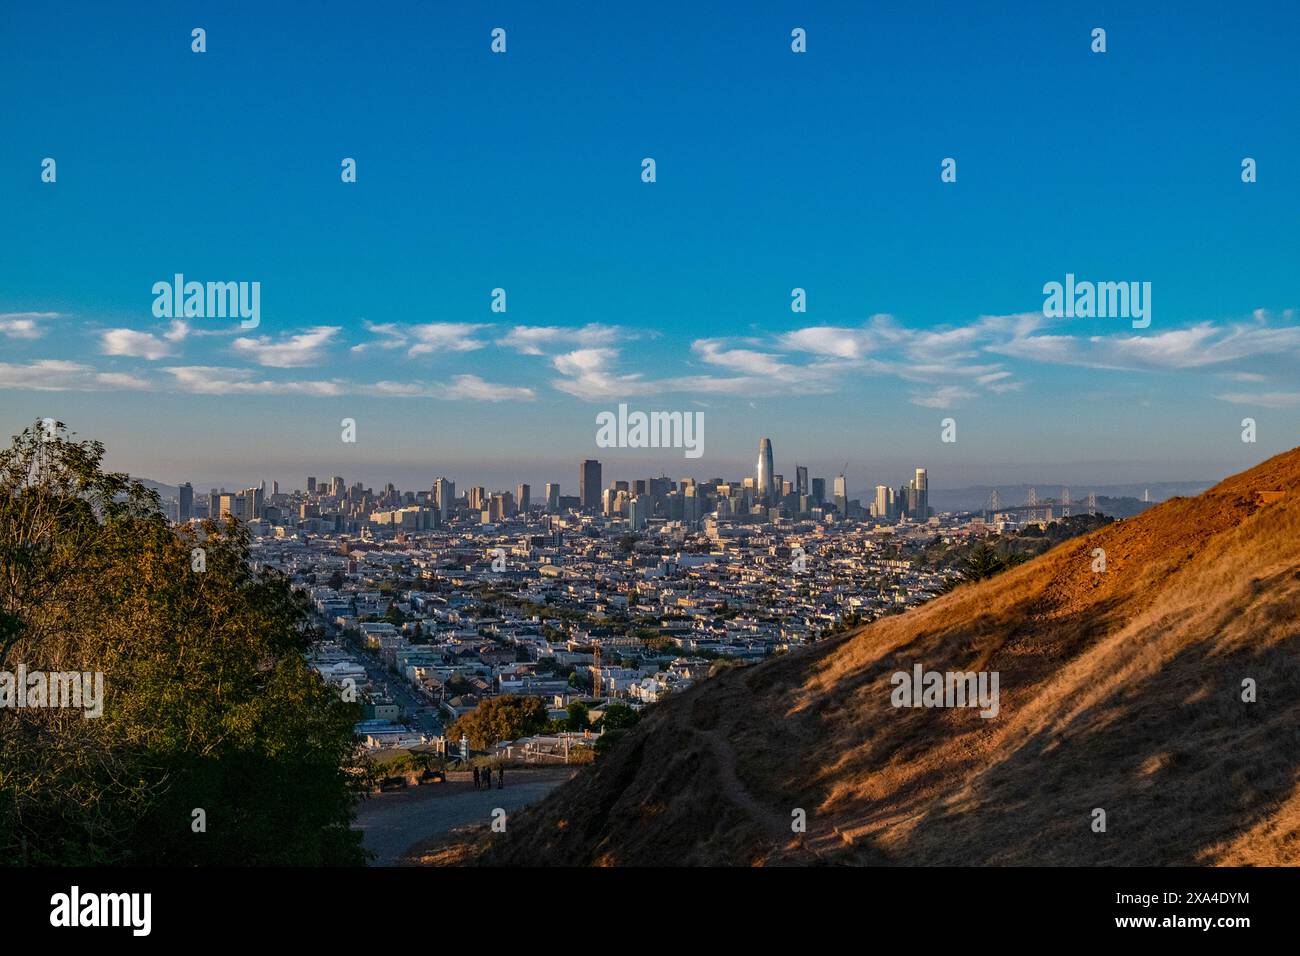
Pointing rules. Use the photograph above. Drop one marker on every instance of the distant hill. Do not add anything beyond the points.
(976, 497)
(164, 491)
(1120, 691)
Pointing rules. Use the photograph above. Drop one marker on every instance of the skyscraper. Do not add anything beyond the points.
(589, 484)
(691, 505)
(185, 509)
(842, 494)
(766, 488)
(801, 480)
(444, 492)
(523, 497)
(552, 497)
(922, 481)
(819, 491)
(638, 512)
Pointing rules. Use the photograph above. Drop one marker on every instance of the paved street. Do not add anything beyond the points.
(392, 822)
(417, 713)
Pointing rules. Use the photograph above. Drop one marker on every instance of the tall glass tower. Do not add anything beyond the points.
(589, 484)
(766, 487)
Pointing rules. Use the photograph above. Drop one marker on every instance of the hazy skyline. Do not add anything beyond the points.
(775, 171)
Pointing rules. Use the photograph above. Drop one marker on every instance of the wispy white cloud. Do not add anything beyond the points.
(217, 380)
(836, 341)
(1194, 347)
(541, 339)
(462, 387)
(122, 380)
(588, 374)
(133, 344)
(946, 396)
(425, 338)
(474, 388)
(293, 351)
(178, 331)
(55, 375)
(748, 361)
(24, 325)
(595, 374)
(1262, 399)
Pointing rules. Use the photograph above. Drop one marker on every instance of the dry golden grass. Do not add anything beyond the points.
(1119, 691)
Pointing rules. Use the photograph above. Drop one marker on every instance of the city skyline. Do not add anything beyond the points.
(862, 477)
(766, 483)
(764, 489)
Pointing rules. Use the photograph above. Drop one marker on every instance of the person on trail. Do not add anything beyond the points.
(476, 778)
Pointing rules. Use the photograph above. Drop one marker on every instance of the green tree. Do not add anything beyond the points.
(579, 717)
(500, 718)
(619, 717)
(208, 701)
(984, 562)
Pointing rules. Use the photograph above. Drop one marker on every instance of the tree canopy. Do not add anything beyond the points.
(217, 743)
(500, 718)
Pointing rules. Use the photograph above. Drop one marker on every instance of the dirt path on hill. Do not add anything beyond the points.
(735, 790)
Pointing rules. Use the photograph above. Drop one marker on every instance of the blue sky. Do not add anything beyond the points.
(774, 170)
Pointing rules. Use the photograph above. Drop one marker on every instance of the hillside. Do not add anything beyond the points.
(1119, 691)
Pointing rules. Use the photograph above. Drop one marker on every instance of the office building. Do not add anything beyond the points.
(444, 494)
(764, 484)
(589, 484)
(818, 492)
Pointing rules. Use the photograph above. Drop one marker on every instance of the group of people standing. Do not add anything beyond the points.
(483, 778)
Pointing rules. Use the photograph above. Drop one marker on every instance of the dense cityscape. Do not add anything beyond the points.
(432, 601)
